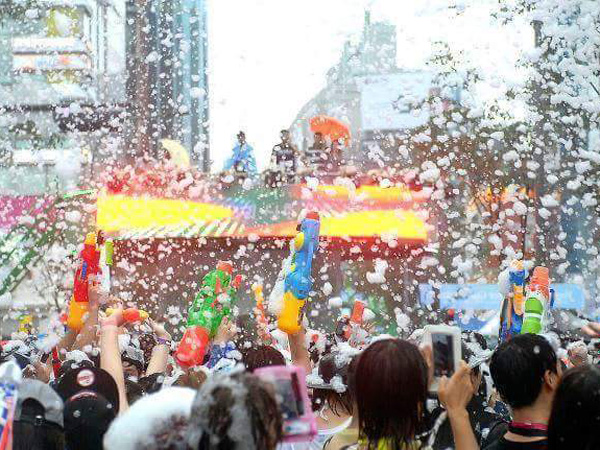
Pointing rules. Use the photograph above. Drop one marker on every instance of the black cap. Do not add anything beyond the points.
(87, 416)
(37, 399)
(89, 379)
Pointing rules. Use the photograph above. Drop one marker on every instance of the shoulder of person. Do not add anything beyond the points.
(495, 431)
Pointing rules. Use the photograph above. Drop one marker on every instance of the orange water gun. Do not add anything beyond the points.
(259, 311)
(131, 315)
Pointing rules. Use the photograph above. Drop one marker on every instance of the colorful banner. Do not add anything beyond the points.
(391, 214)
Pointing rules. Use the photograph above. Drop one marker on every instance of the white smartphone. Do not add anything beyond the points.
(445, 345)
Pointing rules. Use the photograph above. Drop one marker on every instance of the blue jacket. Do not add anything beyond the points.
(242, 158)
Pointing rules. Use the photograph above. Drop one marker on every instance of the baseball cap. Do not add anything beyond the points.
(87, 416)
(49, 404)
(89, 379)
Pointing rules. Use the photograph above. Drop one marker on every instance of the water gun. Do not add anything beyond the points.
(259, 311)
(131, 315)
(106, 262)
(511, 316)
(298, 282)
(89, 267)
(56, 363)
(356, 319)
(538, 301)
(10, 380)
(214, 301)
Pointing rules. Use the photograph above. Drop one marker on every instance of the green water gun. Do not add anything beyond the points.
(214, 301)
(538, 301)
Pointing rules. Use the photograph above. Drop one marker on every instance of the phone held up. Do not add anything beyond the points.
(445, 342)
(289, 382)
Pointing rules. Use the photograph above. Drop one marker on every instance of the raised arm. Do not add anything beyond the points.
(110, 356)
(160, 352)
(455, 393)
(300, 356)
(89, 333)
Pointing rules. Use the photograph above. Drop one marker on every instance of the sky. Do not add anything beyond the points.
(268, 58)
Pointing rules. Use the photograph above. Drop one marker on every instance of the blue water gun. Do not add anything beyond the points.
(298, 282)
(511, 316)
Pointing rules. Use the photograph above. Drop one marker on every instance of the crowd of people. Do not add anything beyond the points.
(323, 156)
(115, 385)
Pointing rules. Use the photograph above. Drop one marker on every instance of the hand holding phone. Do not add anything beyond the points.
(445, 342)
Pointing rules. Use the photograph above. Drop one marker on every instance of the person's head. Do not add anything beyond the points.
(578, 353)
(575, 413)
(247, 335)
(38, 421)
(161, 422)
(147, 344)
(336, 370)
(75, 360)
(285, 135)
(390, 386)
(261, 356)
(193, 378)
(525, 370)
(133, 362)
(133, 391)
(318, 137)
(241, 136)
(475, 353)
(467, 355)
(235, 412)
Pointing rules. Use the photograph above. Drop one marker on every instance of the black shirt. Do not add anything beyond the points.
(503, 444)
(284, 156)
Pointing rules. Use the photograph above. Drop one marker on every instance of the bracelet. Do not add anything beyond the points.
(163, 341)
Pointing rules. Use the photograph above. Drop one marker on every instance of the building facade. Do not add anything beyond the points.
(376, 99)
(167, 83)
(55, 62)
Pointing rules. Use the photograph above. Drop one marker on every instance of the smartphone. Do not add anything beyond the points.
(289, 382)
(445, 345)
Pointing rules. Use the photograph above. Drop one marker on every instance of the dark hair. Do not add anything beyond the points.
(261, 356)
(390, 386)
(133, 391)
(575, 413)
(213, 417)
(476, 338)
(42, 435)
(339, 402)
(247, 335)
(518, 367)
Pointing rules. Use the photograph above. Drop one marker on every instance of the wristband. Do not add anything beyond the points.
(163, 341)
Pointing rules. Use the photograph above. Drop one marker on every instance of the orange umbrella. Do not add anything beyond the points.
(328, 126)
